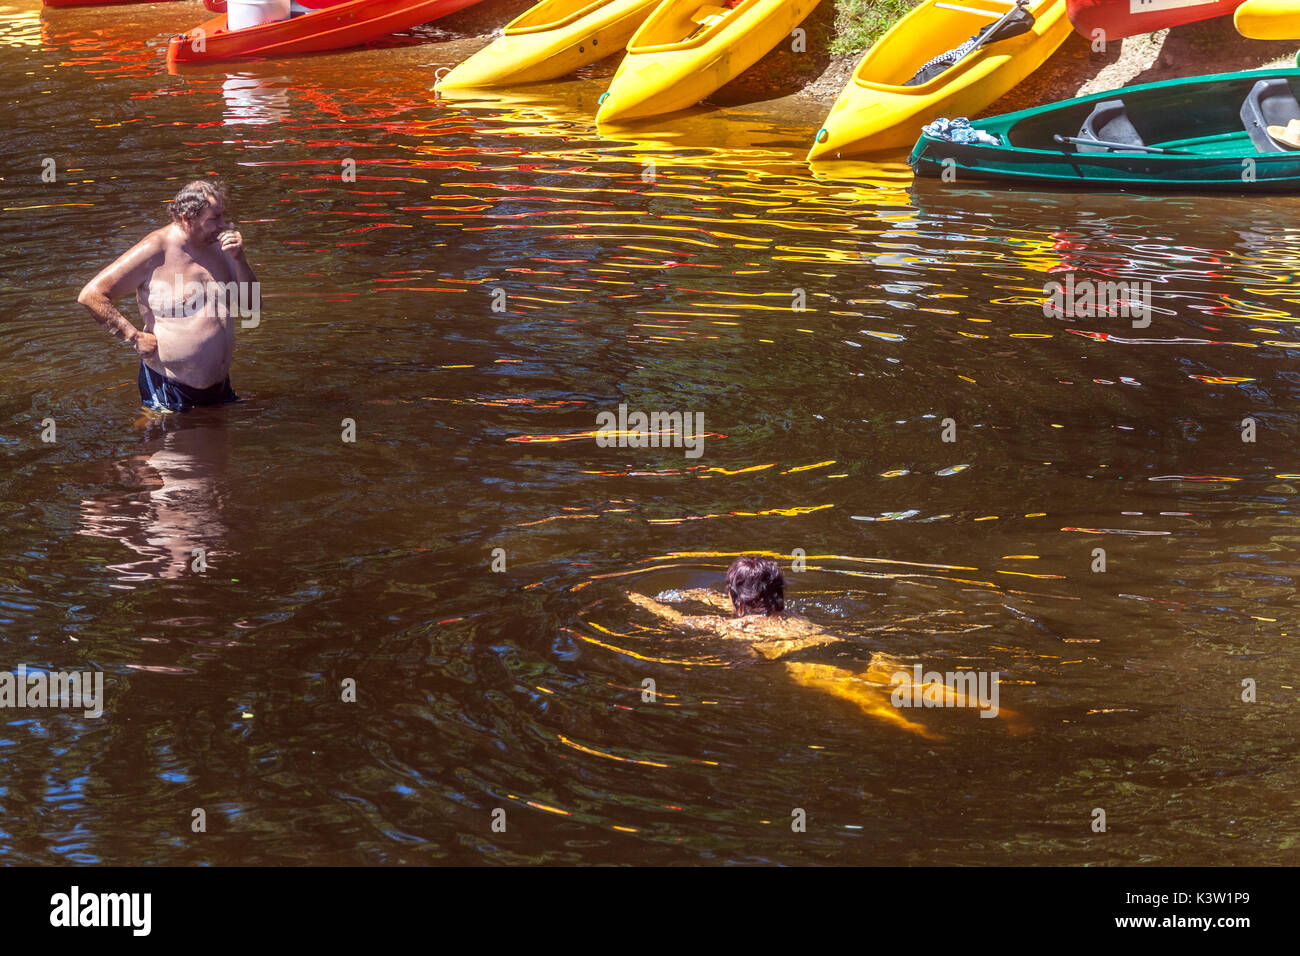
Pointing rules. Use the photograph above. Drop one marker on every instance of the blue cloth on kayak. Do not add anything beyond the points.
(159, 392)
(960, 131)
(928, 71)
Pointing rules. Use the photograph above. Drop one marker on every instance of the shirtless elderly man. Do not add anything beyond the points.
(189, 278)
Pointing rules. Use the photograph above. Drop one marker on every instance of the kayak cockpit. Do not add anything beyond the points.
(1231, 131)
(1272, 102)
(683, 23)
(966, 29)
(553, 14)
(246, 14)
(1231, 120)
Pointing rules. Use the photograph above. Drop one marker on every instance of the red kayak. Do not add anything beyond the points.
(336, 26)
(1125, 18)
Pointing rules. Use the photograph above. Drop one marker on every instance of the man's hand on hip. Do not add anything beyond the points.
(146, 345)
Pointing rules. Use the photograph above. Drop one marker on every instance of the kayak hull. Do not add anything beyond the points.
(666, 71)
(551, 40)
(1196, 119)
(1268, 19)
(347, 24)
(1012, 167)
(876, 112)
(1115, 20)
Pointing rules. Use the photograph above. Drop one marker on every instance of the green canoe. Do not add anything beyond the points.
(1201, 132)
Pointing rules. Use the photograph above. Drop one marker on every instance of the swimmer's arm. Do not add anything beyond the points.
(131, 271)
(707, 623)
(712, 598)
(654, 607)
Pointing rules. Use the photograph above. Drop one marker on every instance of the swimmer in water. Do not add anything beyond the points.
(756, 600)
(191, 282)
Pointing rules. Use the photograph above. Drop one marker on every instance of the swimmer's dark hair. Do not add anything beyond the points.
(194, 198)
(756, 586)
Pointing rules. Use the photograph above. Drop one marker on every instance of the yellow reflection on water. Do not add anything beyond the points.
(20, 28)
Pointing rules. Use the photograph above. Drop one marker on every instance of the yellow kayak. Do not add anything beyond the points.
(552, 40)
(688, 49)
(877, 110)
(1268, 19)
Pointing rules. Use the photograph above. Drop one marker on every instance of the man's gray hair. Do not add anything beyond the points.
(194, 198)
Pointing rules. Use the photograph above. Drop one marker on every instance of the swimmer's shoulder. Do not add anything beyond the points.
(709, 622)
(776, 637)
(778, 625)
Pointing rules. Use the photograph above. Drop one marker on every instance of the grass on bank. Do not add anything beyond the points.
(860, 23)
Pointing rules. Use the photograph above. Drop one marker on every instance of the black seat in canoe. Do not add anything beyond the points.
(1270, 103)
(1109, 123)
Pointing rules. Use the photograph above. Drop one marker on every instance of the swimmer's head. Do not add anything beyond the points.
(756, 586)
(200, 209)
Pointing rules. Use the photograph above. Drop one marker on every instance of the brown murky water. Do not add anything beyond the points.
(663, 273)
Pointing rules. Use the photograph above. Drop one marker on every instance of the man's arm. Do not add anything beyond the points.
(124, 276)
(232, 244)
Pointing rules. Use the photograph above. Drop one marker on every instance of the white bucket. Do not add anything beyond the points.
(242, 14)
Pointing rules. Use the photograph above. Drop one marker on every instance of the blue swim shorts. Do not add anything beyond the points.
(167, 394)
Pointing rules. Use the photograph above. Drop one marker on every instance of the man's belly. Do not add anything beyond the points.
(195, 350)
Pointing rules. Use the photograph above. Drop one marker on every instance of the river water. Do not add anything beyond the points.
(498, 275)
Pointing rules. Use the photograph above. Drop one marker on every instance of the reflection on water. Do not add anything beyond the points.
(254, 99)
(497, 275)
(175, 523)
